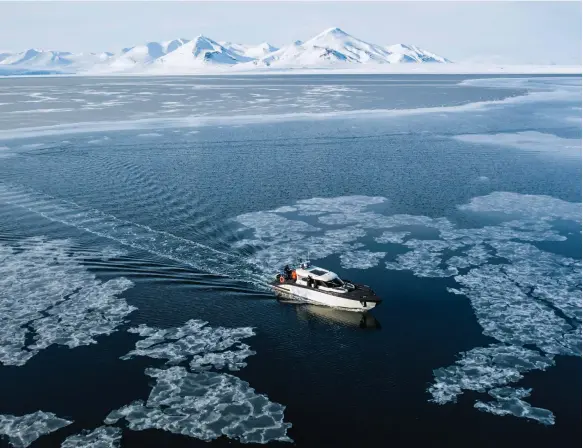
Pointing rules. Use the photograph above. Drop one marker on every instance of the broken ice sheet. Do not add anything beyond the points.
(205, 405)
(24, 430)
(194, 339)
(482, 368)
(46, 293)
(102, 437)
(508, 401)
(392, 237)
(361, 259)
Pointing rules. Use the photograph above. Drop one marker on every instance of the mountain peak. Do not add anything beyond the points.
(333, 47)
(335, 31)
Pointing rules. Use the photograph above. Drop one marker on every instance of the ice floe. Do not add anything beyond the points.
(48, 297)
(474, 256)
(483, 368)
(522, 296)
(424, 260)
(342, 204)
(361, 259)
(201, 403)
(391, 237)
(194, 339)
(24, 430)
(509, 402)
(102, 437)
(97, 141)
(528, 140)
(206, 406)
(526, 205)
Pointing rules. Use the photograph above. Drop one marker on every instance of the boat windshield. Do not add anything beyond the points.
(335, 283)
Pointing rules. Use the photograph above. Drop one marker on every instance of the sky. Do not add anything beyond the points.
(489, 31)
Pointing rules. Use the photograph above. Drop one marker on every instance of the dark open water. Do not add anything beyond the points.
(456, 199)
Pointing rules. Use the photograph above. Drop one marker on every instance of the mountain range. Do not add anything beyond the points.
(333, 48)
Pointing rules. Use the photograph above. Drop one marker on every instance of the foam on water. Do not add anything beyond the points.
(48, 296)
(24, 430)
(206, 406)
(102, 437)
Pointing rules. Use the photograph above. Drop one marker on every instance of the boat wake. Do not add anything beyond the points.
(198, 256)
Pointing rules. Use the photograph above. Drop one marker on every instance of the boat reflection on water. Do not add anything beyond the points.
(364, 320)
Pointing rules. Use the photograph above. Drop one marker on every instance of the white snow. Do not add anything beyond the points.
(335, 47)
(144, 54)
(250, 51)
(197, 53)
(331, 48)
(412, 53)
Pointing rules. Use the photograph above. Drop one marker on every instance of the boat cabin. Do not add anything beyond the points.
(316, 277)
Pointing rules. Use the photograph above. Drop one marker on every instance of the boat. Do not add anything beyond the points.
(347, 318)
(323, 287)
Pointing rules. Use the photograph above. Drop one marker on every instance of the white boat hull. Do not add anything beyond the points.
(317, 297)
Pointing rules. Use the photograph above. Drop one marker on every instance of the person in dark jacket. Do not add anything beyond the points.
(287, 271)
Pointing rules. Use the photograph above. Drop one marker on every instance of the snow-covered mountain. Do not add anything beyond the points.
(411, 53)
(141, 55)
(250, 51)
(34, 58)
(330, 49)
(199, 52)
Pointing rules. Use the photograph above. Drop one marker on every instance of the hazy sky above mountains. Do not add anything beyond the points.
(519, 32)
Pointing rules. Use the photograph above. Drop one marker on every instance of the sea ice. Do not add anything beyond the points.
(102, 437)
(206, 406)
(361, 259)
(203, 404)
(522, 296)
(525, 205)
(483, 368)
(194, 339)
(392, 237)
(24, 430)
(528, 140)
(509, 402)
(48, 296)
